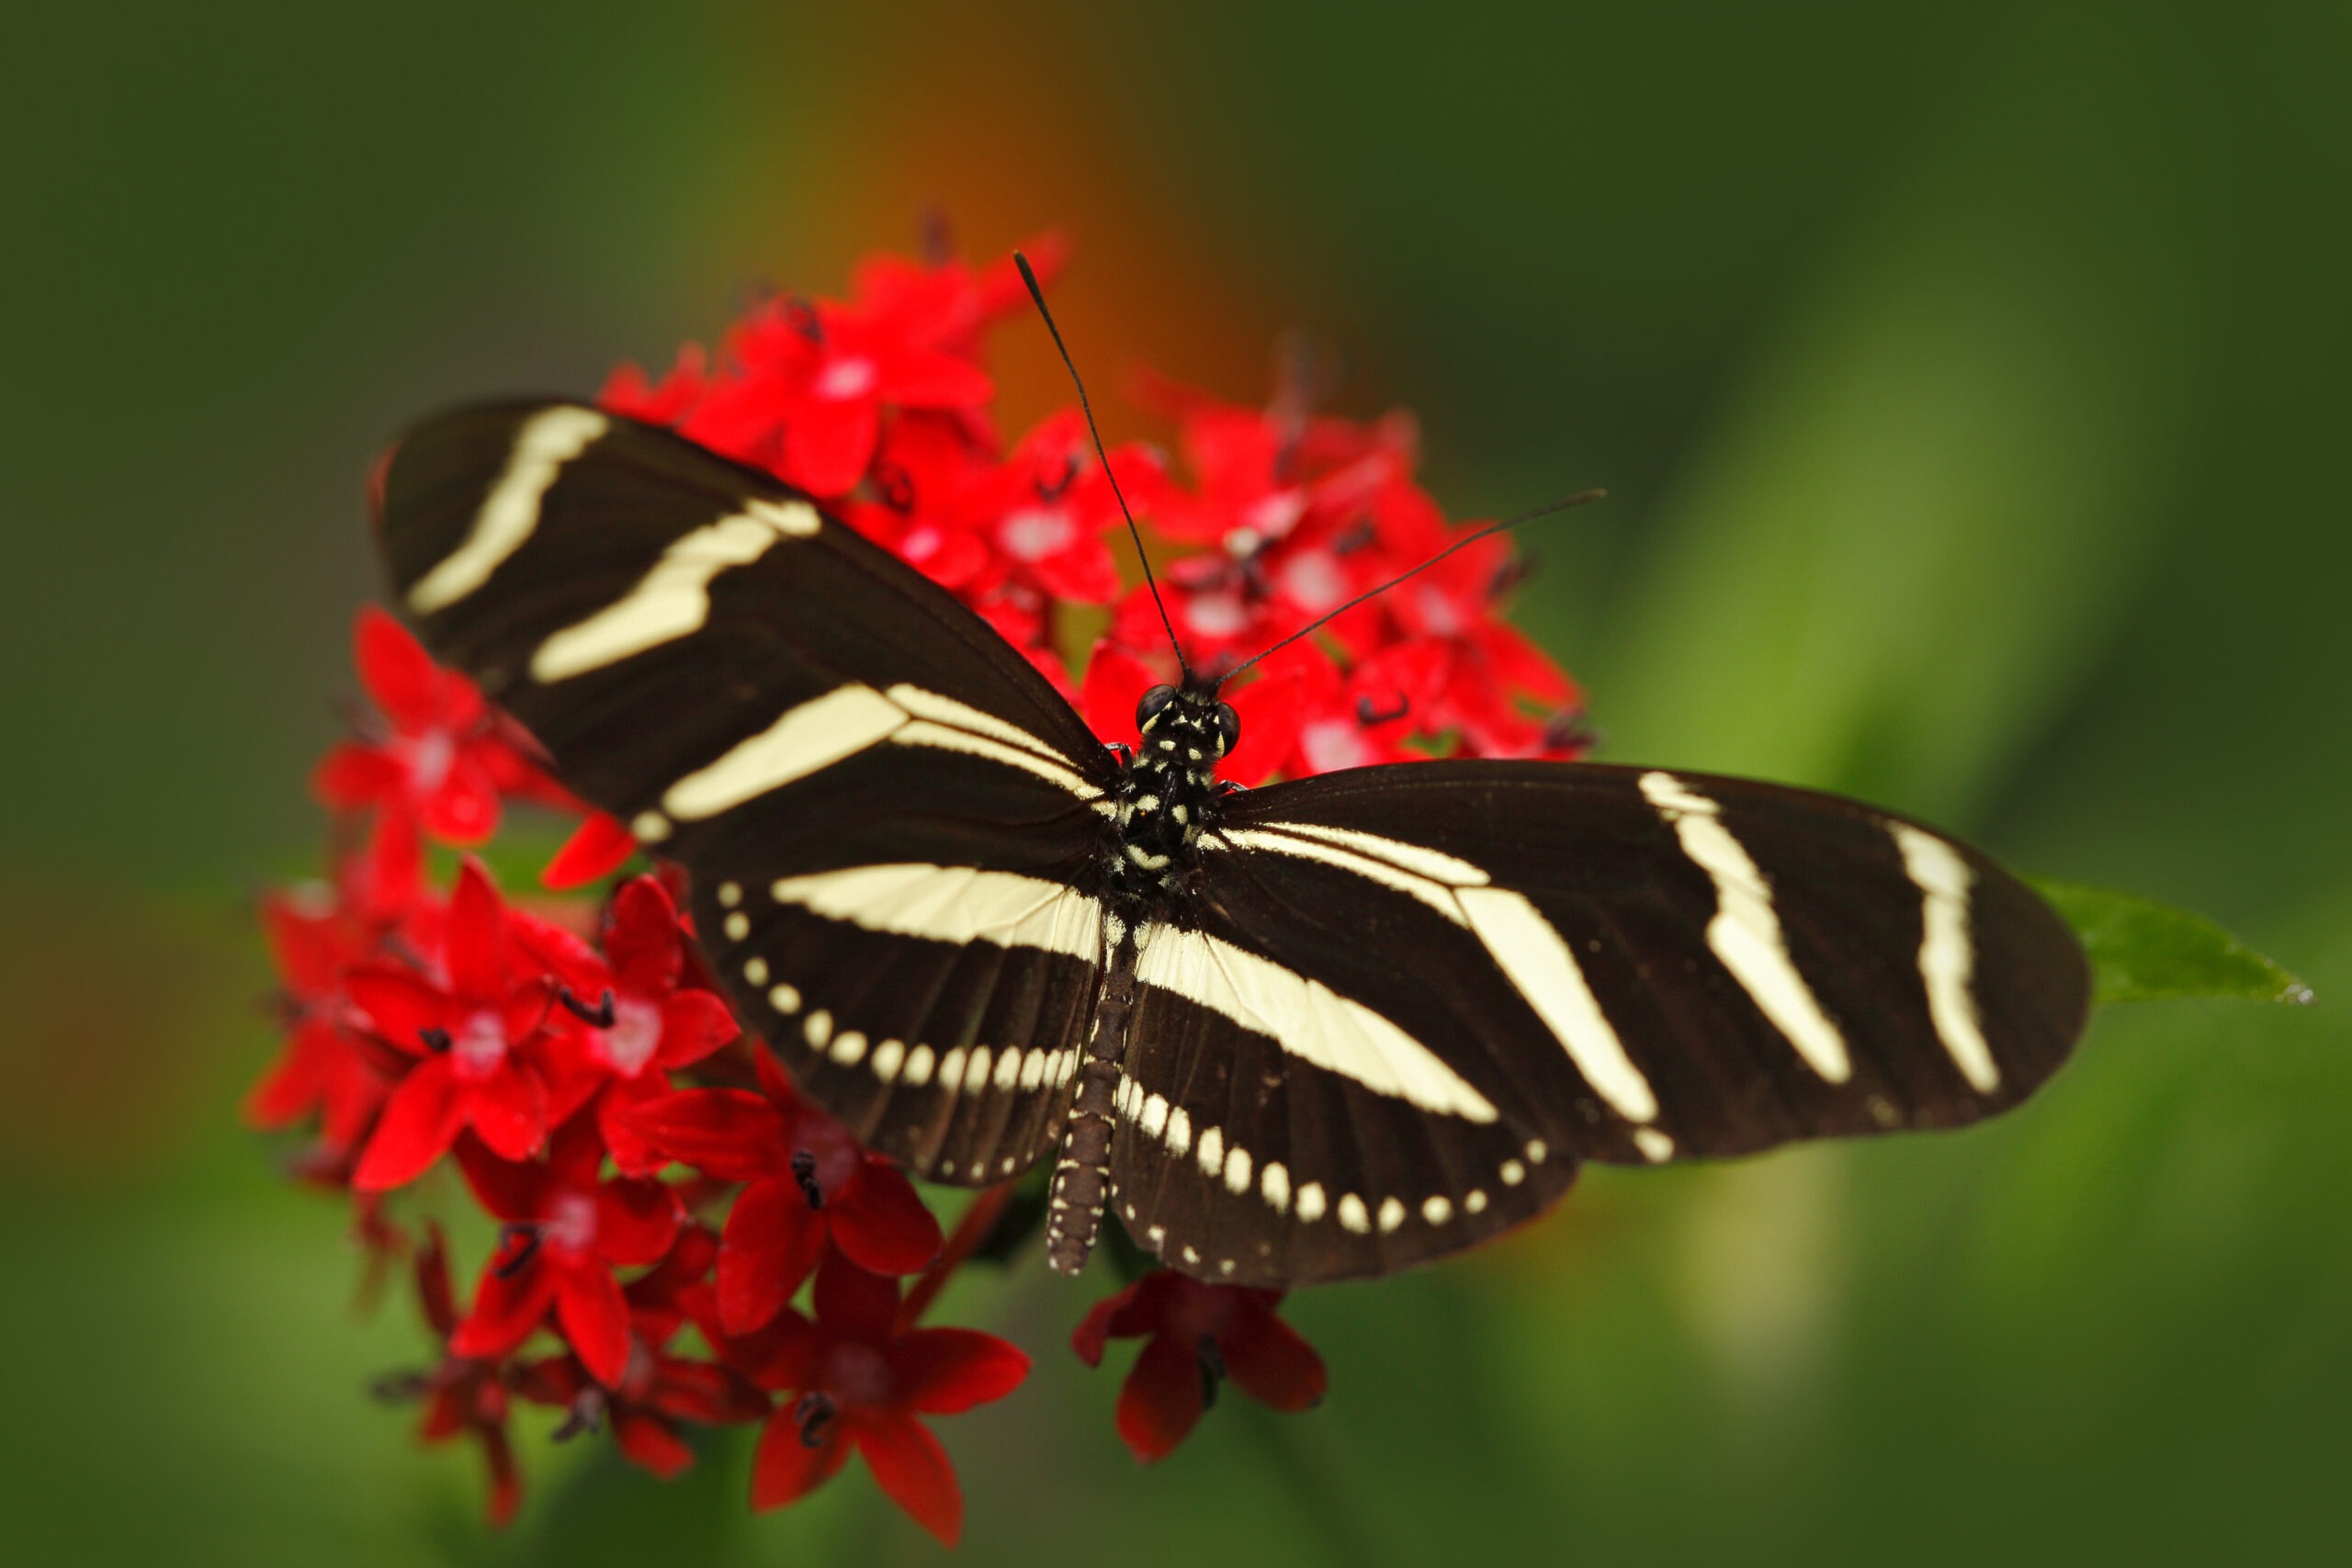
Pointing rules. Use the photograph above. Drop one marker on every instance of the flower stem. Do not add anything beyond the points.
(979, 1219)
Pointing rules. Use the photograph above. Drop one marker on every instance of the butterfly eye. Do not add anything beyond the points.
(1229, 727)
(1155, 702)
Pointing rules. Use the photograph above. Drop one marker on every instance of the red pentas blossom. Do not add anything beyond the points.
(854, 1376)
(682, 1239)
(462, 1396)
(1196, 1337)
(658, 1391)
(643, 1019)
(441, 752)
(805, 1181)
(313, 935)
(566, 1230)
(477, 1023)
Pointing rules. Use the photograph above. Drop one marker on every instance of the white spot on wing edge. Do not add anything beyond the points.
(543, 445)
(1310, 1203)
(1745, 934)
(1656, 1146)
(1947, 952)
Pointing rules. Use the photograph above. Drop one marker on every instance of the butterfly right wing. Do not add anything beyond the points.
(882, 804)
(1401, 1004)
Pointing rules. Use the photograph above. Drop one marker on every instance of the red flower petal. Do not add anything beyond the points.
(433, 1289)
(507, 1308)
(1270, 1361)
(594, 1317)
(772, 1241)
(828, 445)
(1270, 709)
(786, 1469)
(298, 1078)
(399, 1004)
(730, 1133)
(1162, 1400)
(1138, 1309)
(706, 1392)
(854, 1302)
(463, 808)
(597, 848)
(880, 1223)
(505, 1480)
(930, 380)
(649, 1443)
(477, 936)
(351, 775)
(401, 677)
(912, 1469)
(636, 1221)
(944, 1371)
(641, 938)
(419, 1122)
(509, 1111)
(1115, 681)
(385, 882)
(515, 1193)
(694, 1024)
(615, 1108)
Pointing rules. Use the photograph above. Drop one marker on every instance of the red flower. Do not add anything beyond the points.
(313, 935)
(811, 381)
(860, 1381)
(641, 1026)
(926, 464)
(1045, 510)
(462, 1396)
(947, 303)
(1200, 1335)
(566, 1232)
(659, 1391)
(806, 1179)
(478, 1028)
(448, 757)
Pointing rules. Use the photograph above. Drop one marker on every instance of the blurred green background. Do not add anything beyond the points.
(1971, 387)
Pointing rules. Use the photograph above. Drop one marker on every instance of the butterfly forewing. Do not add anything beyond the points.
(775, 703)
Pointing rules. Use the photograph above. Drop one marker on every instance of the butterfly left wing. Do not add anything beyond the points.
(1398, 1005)
(882, 804)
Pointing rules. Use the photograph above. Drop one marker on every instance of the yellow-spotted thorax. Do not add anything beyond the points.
(1168, 790)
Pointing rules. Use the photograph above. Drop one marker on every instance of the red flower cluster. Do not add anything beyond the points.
(663, 1196)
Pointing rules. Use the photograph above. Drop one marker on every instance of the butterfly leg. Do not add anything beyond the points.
(1082, 1173)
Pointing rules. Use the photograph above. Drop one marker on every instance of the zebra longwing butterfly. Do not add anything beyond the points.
(1326, 1028)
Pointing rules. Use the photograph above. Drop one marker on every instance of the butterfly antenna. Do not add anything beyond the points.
(1578, 499)
(1037, 296)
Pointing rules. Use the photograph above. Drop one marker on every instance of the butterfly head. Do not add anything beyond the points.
(1187, 726)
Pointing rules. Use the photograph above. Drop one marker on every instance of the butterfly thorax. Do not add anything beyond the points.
(1166, 792)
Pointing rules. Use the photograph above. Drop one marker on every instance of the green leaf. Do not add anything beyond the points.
(2141, 950)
